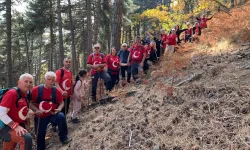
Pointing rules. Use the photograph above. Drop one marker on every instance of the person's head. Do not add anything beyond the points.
(153, 44)
(67, 62)
(196, 24)
(25, 82)
(176, 27)
(49, 79)
(163, 31)
(203, 16)
(132, 43)
(81, 75)
(113, 51)
(124, 46)
(146, 46)
(96, 48)
(173, 31)
(159, 36)
(138, 40)
(188, 25)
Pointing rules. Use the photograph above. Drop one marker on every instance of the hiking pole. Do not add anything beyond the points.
(38, 125)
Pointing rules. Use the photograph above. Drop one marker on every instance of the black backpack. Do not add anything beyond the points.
(40, 94)
(3, 91)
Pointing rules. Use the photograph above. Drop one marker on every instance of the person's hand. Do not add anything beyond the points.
(56, 111)
(39, 112)
(20, 131)
(141, 64)
(64, 93)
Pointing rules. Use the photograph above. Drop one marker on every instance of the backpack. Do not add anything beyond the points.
(40, 94)
(3, 91)
(101, 55)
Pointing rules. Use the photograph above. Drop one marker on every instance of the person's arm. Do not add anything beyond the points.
(150, 34)
(198, 18)
(210, 18)
(128, 61)
(60, 101)
(183, 30)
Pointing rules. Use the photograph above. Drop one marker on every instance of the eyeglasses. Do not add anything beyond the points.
(97, 47)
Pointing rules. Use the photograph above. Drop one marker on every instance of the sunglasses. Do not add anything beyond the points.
(97, 47)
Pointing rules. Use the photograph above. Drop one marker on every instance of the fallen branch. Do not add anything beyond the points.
(192, 78)
(130, 138)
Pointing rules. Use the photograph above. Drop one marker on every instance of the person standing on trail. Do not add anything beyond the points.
(159, 44)
(196, 32)
(123, 55)
(152, 52)
(172, 41)
(113, 66)
(188, 33)
(47, 102)
(203, 21)
(164, 38)
(64, 83)
(79, 92)
(137, 56)
(131, 45)
(97, 62)
(178, 32)
(13, 115)
(148, 50)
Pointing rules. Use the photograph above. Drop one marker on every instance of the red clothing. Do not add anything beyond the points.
(203, 22)
(172, 39)
(137, 53)
(148, 51)
(96, 58)
(197, 30)
(112, 62)
(164, 38)
(188, 31)
(46, 103)
(65, 82)
(17, 114)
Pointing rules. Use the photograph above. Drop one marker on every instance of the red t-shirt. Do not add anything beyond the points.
(112, 62)
(148, 51)
(46, 104)
(197, 30)
(203, 22)
(188, 31)
(96, 59)
(17, 114)
(65, 82)
(172, 39)
(164, 38)
(137, 53)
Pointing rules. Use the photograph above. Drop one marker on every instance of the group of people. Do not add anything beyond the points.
(50, 101)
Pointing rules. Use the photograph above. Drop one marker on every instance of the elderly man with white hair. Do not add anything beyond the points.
(13, 114)
(96, 61)
(123, 55)
(47, 102)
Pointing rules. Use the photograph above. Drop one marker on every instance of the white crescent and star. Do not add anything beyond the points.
(134, 55)
(20, 114)
(113, 64)
(64, 85)
(95, 63)
(41, 107)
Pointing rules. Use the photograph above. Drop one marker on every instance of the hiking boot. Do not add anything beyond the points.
(75, 121)
(109, 98)
(67, 141)
(103, 101)
(94, 102)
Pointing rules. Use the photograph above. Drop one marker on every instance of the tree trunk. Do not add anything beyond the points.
(8, 44)
(129, 34)
(89, 26)
(232, 3)
(72, 33)
(50, 65)
(60, 37)
(97, 20)
(27, 50)
(138, 29)
(38, 75)
(116, 28)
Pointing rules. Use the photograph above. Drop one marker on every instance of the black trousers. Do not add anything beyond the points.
(125, 69)
(114, 75)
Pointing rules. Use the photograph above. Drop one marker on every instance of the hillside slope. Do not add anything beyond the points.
(209, 111)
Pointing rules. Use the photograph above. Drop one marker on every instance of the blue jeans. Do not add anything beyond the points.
(114, 75)
(107, 81)
(135, 67)
(58, 119)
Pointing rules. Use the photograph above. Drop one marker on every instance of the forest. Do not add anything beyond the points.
(35, 35)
